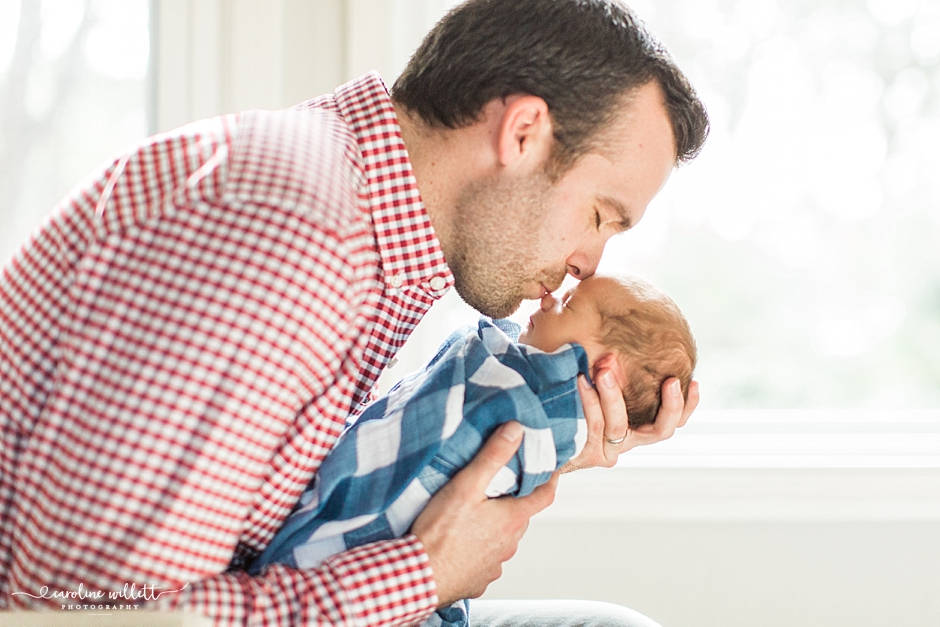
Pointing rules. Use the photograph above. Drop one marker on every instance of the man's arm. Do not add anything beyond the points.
(180, 345)
(466, 536)
(384, 583)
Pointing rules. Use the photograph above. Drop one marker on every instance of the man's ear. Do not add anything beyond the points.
(610, 363)
(525, 133)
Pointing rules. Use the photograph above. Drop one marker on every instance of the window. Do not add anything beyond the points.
(804, 243)
(73, 92)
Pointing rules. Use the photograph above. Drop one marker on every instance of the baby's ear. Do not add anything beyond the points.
(609, 362)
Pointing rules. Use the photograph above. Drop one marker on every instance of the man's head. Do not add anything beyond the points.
(582, 57)
(625, 325)
(562, 119)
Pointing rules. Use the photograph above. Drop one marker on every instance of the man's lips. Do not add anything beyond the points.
(544, 289)
(539, 293)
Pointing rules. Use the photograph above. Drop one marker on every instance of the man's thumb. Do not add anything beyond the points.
(495, 453)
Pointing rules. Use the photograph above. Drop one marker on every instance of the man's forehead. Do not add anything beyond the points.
(632, 114)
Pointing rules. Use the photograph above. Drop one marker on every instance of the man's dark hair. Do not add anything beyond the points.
(582, 57)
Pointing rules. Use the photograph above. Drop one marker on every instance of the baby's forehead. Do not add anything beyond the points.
(619, 291)
(616, 298)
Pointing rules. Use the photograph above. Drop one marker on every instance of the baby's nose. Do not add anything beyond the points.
(548, 302)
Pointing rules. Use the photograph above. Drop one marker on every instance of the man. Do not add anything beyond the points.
(183, 341)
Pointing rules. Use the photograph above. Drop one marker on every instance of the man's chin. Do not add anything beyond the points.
(497, 310)
(489, 304)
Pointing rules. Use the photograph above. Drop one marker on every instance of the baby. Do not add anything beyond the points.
(624, 324)
(387, 465)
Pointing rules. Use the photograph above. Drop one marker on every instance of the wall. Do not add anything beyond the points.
(738, 574)
(741, 547)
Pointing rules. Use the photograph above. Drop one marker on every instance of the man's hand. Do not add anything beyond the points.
(467, 535)
(606, 416)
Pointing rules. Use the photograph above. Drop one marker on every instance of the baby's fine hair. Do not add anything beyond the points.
(653, 342)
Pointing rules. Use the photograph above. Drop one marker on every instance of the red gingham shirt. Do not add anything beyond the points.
(180, 346)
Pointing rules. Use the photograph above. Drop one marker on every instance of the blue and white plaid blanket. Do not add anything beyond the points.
(405, 446)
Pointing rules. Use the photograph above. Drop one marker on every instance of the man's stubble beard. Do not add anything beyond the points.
(494, 247)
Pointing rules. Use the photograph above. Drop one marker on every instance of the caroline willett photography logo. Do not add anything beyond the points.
(129, 597)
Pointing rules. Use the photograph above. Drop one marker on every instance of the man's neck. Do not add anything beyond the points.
(444, 161)
(428, 165)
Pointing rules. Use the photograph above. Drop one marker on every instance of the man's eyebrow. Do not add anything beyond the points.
(612, 203)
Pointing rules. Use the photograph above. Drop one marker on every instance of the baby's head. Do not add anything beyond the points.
(625, 325)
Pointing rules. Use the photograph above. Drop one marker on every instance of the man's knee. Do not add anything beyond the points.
(554, 613)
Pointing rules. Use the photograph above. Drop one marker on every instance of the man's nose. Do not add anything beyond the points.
(583, 262)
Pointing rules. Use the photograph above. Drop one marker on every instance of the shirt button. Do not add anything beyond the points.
(438, 283)
(396, 280)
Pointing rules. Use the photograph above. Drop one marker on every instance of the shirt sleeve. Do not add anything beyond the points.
(383, 583)
(181, 352)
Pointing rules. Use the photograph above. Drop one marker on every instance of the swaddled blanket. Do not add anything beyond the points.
(405, 446)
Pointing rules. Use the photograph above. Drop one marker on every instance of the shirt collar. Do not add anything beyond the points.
(407, 244)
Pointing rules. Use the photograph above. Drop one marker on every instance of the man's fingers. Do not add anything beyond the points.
(540, 498)
(670, 412)
(593, 414)
(606, 416)
(691, 403)
(596, 451)
(590, 401)
(495, 453)
(613, 407)
(671, 416)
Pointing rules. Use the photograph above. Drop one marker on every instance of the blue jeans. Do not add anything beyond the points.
(551, 613)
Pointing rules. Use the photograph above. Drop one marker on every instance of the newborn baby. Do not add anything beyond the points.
(405, 446)
(627, 325)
